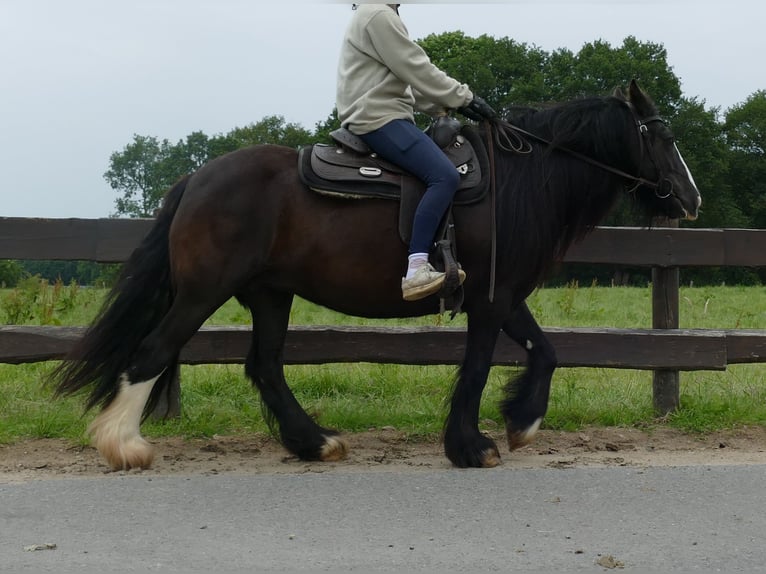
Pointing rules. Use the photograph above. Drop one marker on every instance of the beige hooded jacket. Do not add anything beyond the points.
(383, 75)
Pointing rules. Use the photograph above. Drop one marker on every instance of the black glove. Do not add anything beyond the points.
(478, 110)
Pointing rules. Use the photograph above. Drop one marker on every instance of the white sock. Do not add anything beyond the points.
(416, 261)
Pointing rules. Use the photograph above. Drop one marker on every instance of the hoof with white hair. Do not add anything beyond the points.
(116, 433)
(519, 438)
(334, 449)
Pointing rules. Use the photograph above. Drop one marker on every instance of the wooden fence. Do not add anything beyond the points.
(665, 348)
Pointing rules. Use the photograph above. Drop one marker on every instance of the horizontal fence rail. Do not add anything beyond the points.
(682, 349)
(112, 241)
(665, 349)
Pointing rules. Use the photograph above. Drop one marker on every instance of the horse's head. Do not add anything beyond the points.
(665, 185)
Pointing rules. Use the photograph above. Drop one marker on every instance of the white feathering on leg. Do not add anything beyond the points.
(518, 439)
(116, 431)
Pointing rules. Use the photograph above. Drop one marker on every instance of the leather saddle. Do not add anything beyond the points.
(349, 169)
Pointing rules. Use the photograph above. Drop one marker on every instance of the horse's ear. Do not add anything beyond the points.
(640, 99)
(619, 94)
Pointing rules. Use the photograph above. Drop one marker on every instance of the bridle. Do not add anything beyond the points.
(511, 139)
(659, 188)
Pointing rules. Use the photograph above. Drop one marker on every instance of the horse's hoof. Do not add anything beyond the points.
(334, 449)
(122, 448)
(471, 450)
(134, 452)
(490, 458)
(116, 431)
(520, 438)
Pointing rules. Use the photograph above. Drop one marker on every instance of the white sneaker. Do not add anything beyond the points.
(426, 281)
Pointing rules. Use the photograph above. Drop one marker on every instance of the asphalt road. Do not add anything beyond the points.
(501, 520)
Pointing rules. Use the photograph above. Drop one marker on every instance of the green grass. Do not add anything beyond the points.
(217, 399)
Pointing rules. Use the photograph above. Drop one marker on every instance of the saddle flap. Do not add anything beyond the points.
(337, 164)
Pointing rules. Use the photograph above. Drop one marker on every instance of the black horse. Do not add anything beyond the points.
(245, 226)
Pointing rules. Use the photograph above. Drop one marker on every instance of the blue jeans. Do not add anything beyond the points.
(401, 142)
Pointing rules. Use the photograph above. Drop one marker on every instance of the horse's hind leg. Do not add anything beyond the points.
(115, 432)
(526, 398)
(297, 430)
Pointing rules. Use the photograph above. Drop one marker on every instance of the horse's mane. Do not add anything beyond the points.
(588, 125)
(549, 199)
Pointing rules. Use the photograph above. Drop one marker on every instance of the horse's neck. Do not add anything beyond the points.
(584, 183)
(555, 198)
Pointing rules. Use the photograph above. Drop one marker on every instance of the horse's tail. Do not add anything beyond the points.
(135, 305)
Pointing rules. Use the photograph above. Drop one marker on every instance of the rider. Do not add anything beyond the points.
(383, 76)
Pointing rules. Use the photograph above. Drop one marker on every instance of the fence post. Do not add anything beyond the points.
(666, 390)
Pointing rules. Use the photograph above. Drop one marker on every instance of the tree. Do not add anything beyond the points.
(196, 150)
(322, 129)
(10, 273)
(83, 272)
(598, 68)
(140, 173)
(745, 128)
(701, 140)
(146, 168)
(502, 71)
(508, 74)
(272, 130)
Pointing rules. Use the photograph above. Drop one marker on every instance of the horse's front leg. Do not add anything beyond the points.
(526, 397)
(464, 445)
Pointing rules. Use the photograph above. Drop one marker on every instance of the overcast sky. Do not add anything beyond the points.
(81, 77)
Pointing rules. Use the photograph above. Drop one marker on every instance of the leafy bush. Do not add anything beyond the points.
(11, 273)
(35, 301)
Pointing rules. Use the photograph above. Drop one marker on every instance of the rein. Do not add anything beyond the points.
(510, 138)
(493, 211)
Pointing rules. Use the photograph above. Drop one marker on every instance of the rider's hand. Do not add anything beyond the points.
(478, 110)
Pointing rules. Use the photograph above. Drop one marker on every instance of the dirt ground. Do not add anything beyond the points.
(387, 450)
